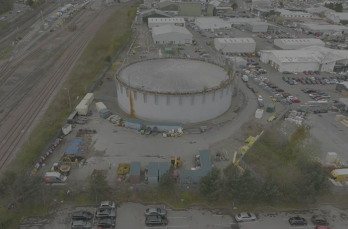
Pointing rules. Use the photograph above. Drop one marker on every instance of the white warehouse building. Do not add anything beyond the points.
(291, 44)
(235, 45)
(313, 58)
(156, 22)
(174, 90)
(208, 23)
(171, 34)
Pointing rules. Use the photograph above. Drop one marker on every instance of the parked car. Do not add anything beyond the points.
(105, 213)
(305, 72)
(245, 216)
(285, 95)
(317, 72)
(81, 224)
(286, 79)
(261, 103)
(322, 227)
(106, 223)
(295, 100)
(155, 220)
(294, 221)
(279, 90)
(286, 72)
(107, 205)
(82, 215)
(310, 72)
(155, 211)
(254, 90)
(319, 111)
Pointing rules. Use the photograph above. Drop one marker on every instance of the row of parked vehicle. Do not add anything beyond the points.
(105, 216)
(320, 221)
(315, 80)
(317, 95)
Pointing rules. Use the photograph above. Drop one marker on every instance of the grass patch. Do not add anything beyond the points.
(6, 52)
(108, 39)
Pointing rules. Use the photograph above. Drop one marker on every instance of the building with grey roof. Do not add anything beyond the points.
(171, 34)
(313, 58)
(235, 45)
(174, 90)
(156, 22)
(260, 27)
(153, 13)
(337, 17)
(323, 29)
(292, 44)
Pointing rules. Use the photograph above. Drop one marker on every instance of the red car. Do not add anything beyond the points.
(295, 101)
(318, 98)
(305, 72)
(286, 94)
(247, 54)
(311, 73)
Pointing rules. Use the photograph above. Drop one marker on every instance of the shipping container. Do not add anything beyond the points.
(134, 173)
(100, 106)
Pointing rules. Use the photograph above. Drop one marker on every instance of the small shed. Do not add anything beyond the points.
(259, 113)
(168, 51)
(163, 167)
(164, 126)
(270, 108)
(134, 173)
(152, 173)
(133, 124)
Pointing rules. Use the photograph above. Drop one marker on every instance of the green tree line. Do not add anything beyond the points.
(336, 7)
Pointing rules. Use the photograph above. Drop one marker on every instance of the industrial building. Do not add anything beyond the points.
(261, 3)
(337, 17)
(156, 22)
(174, 90)
(323, 29)
(293, 14)
(313, 58)
(235, 45)
(203, 166)
(318, 10)
(190, 9)
(218, 8)
(260, 27)
(263, 12)
(291, 44)
(208, 23)
(153, 13)
(168, 6)
(171, 34)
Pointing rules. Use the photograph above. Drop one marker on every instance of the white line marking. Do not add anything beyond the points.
(179, 217)
(218, 215)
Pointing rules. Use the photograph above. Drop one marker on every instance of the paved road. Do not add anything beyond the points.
(13, 15)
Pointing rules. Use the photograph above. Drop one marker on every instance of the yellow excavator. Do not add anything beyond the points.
(175, 161)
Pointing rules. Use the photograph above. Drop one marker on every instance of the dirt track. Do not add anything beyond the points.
(37, 81)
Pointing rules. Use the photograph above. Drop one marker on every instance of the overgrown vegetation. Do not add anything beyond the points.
(36, 3)
(17, 191)
(6, 5)
(98, 187)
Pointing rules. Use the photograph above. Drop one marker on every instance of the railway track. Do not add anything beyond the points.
(11, 66)
(24, 114)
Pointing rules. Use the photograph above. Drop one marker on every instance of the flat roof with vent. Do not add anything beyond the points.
(236, 40)
(177, 20)
(301, 41)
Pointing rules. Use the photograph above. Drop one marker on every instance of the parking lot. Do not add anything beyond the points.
(131, 215)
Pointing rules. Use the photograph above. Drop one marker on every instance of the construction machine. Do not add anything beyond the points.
(175, 161)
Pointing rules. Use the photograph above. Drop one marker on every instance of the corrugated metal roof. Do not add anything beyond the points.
(155, 11)
(178, 20)
(205, 160)
(236, 40)
(152, 169)
(134, 169)
(169, 29)
(163, 167)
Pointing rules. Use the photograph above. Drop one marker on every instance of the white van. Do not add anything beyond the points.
(211, 30)
(54, 177)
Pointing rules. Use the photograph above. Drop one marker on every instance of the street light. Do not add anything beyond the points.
(69, 96)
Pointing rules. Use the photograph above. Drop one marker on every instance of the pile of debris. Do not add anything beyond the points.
(296, 117)
(115, 119)
(342, 119)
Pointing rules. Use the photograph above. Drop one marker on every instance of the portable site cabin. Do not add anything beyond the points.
(134, 173)
(270, 108)
(133, 124)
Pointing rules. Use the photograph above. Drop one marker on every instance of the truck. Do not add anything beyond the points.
(245, 78)
(54, 177)
(340, 175)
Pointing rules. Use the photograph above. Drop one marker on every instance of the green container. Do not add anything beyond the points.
(270, 108)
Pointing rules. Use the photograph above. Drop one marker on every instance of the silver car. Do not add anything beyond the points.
(107, 205)
(245, 216)
(155, 211)
(81, 224)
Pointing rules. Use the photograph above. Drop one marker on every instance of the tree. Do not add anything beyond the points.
(272, 12)
(339, 7)
(210, 185)
(30, 2)
(270, 190)
(98, 186)
(281, 4)
(234, 6)
(166, 182)
(241, 188)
